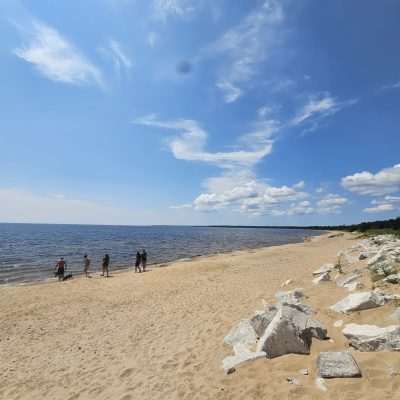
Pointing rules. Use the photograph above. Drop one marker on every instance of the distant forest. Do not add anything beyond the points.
(389, 225)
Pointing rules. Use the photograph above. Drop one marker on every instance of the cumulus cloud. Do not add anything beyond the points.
(331, 204)
(387, 203)
(379, 208)
(55, 57)
(386, 181)
(190, 143)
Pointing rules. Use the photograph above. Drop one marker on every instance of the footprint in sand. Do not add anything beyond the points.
(126, 373)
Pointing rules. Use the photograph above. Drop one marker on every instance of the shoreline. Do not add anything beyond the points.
(121, 269)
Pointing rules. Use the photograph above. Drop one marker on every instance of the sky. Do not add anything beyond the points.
(254, 112)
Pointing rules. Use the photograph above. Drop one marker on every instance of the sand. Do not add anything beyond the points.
(159, 335)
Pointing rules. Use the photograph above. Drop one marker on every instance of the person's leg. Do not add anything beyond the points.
(107, 271)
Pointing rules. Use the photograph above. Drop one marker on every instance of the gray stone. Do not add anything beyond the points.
(317, 329)
(290, 297)
(359, 301)
(325, 268)
(340, 364)
(325, 277)
(261, 320)
(242, 334)
(394, 278)
(363, 256)
(290, 331)
(230, 363)
(345, 280)
(373, 338)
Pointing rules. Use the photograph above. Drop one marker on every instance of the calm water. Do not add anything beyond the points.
(29, 252)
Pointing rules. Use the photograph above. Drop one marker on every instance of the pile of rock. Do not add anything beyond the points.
(284, 328)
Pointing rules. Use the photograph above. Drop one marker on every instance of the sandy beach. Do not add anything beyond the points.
(159, 335)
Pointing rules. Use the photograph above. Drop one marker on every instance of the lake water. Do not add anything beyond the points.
(28, 252)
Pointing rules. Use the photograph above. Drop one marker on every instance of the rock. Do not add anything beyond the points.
(262, 319)
(325, 277)
(338, 323)
(343, 281)
(293, 381)
(382, 269)
(242, 334)
(304, 371)
(290, 297)
(290, 331)
(317, 329)
(359, 301)
(305, 308)
(394, 278)
(286, 334)
(286, 283)
(351, 287)
(230, 363)
(325, 268)
(337, 364)
(320, 384)
(373, 338)
(363, 256)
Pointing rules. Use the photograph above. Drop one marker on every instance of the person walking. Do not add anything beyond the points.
(144, 260)
(105, 265)
(61, 266)
(137, 262)
(86, 265)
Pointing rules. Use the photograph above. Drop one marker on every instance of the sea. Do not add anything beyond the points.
(29, 252)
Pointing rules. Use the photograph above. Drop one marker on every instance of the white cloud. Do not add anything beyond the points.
(331, 204)
(379, 208)
(190, 143)
(231, 92)
(299, 185)
(319, 106)
(163, 9)
(395, 85)
(384, 182)
(117, 55)
(387, 203)
(247, 45)
(55, 57)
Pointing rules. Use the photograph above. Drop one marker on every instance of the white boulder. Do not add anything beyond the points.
(242, 334)
(359, 301)
(337, 364)
(290, 297)
(394, 278)
(325, 268)
(262, 319)
(325, 277)
(230, 363)
(373, 338)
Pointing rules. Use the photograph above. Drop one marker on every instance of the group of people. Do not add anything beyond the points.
(61, 266)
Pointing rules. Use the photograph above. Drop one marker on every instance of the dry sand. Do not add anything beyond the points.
(159, 335)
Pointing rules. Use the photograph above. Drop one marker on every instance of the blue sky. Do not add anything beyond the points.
(277, 112)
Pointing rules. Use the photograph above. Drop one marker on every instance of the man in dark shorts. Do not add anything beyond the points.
(137, 262)
(144, 260)
(105, 265)
(86, 265)
(61, 266)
